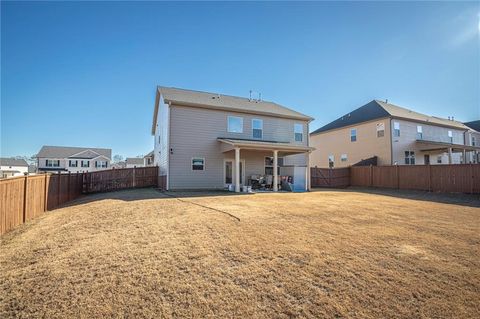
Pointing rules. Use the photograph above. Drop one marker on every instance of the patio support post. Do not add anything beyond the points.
(275, 171)
(449, 155)
(237, 169)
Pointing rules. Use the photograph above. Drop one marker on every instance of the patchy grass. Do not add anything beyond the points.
(347, 253)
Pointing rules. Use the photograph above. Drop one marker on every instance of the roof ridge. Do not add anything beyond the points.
(207, 92)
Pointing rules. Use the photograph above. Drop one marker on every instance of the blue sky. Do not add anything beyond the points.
(84, 73)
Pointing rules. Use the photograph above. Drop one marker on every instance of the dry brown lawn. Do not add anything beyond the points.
(331, 254)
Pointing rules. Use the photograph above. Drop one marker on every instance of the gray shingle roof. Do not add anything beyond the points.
(378, 109)
(224, 102)
(134, 160)
(474, 125)
(13, 162)
(66, 151)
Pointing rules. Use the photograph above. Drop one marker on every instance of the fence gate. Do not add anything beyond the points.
(330, 177)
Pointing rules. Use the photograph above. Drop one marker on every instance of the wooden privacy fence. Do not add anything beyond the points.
(26, 197)
(457, 178)
(115, 179)
(327, 177)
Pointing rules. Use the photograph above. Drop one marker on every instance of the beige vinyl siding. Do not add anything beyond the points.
(407, 142)
(194, 132)
(337, 142)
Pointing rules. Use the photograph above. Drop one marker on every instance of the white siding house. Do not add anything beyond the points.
(73, 159)
(10, 167)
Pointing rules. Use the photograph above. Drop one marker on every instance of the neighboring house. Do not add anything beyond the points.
(149, 159)
(472, 138)
(10, 167)
(73, 159)
(131, 162)
(395, 135)
(209, 141)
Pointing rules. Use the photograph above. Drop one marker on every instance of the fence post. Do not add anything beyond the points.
(45, 194)
(133, 177)
(69, 196)
(471, 179)
(398, 177)
(371, 175)
(25, 199)
(58, 189)
(429, 178)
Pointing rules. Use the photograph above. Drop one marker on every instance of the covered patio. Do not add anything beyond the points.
(276, 149)
(450, 148)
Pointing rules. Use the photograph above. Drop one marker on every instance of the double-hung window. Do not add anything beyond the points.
(353, 135)
(396, 129)
(473, 141)
(52, 163)
(85, 163)
(73, 163)
(409, 157)
(343, 158)
(450, 137)
(380, 129)
(198, 164)
(419, 132)
(235, 124)
(101, 164)
(257, 128)
(298, 129)
(331, 161)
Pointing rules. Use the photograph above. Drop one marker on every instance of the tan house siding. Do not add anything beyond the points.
(194, 133)
(337, 142)
(407, 142)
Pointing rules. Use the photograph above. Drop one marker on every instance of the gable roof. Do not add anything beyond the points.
(13, 162)
(474, 125)
(377, 109)
(223, 102)
(134, 160)
(67, 151)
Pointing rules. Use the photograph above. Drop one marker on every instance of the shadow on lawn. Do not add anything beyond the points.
(148, 193)
(471, 200)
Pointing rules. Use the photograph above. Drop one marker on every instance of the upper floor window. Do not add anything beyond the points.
(101, 164)
(331, 161)
(343, 158)
(409, 157)
(85, 163)
(473, 140)
(380, 129)
(73, 163)
(235, 124)
(298, 129)
(257, 128)
(52, 163)
(396, 129)
(198, 164)
(353, 134)
(450, 136)
(419, 132)
(439, 159)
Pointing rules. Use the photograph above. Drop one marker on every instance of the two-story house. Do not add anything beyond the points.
(472, 138)
(210, 141)
(73, 159)
(392, 134)
(10, 167)
(145, 161)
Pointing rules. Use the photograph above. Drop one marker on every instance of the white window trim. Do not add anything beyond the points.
(295, 132)
(352, 135)
(198, 170)
(253, 128)
(343, 158)
(396, 126)
(228, 123)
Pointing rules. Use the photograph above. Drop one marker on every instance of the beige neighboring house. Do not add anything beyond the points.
(66, 159)
(472, 138)
(11, 167)
(212, 141)
(392, 134)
